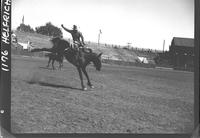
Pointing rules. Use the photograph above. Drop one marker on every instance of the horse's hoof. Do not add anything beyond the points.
(84, 89)
(92, 86)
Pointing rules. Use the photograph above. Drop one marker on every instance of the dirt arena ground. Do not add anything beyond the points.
(124, 100)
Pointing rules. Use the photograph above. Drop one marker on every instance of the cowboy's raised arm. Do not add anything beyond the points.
(65, 28)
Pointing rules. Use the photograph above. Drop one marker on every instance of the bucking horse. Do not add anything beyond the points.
(63, 48)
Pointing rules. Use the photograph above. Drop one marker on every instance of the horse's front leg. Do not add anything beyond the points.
(81, 78)
(88, 79)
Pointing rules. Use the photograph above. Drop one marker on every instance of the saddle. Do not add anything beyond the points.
(77, 46)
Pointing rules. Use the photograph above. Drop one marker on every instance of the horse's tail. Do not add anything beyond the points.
(41, 49)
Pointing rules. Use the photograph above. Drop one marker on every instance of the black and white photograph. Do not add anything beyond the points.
(102, 66)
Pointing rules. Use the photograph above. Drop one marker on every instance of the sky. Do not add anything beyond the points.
(143, 23)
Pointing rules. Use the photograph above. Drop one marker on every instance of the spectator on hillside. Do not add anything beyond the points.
(13, 37)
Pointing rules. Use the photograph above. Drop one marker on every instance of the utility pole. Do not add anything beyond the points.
(163, 46)
(99, 36)
(23, 19)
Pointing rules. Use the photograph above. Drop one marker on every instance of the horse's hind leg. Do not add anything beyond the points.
(88, 79)
(81, 77)
(48, 62)
(53, 64)
(60, 65)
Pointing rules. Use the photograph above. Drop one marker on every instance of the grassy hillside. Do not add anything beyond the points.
(37, 40)
(109, 52)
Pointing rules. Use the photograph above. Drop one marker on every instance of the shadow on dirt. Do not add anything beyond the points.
(48, 68)
(53, 85)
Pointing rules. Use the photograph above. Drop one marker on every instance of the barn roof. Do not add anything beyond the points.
(186, 42)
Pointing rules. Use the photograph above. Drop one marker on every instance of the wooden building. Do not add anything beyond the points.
(182, 53)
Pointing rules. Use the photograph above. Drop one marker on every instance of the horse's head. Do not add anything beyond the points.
(97, 61)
